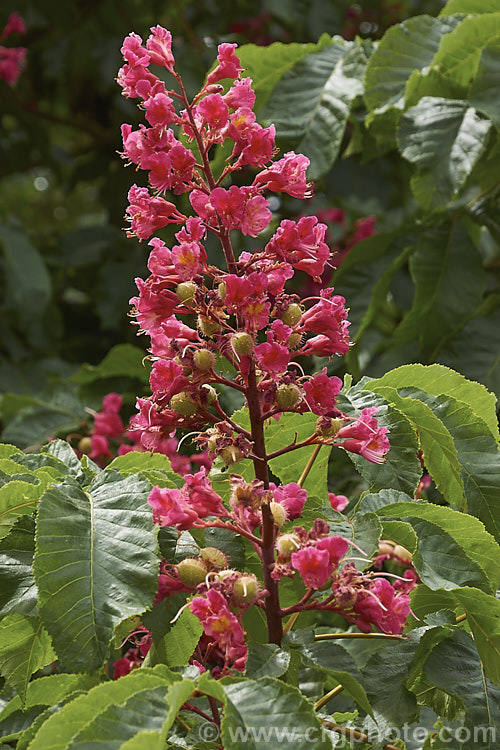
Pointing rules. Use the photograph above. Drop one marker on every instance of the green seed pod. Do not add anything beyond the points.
(186, 290)
(207, 327)
(242, 343)
(288, 396)
(192, 571)
(214, 558)
(85, 445)
(184, 404)
(328, 430)
(292, 315)
(222, 290)
(246, 590)
(287, 544)
(231, 455)
(295, 340)
(204, 359)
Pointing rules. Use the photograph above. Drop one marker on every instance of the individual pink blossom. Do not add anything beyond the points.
(133, 51)
(288, 175)
(171, 508)
(201, 496)
(229, 65)
(328, 318)
(168, 331)
(159, 46)
(154, 304)
(365, 436)
(314, 566)
(11, 63)
(291, 496)
(338, 502)
(301, 244)
(259, 146)
(167, 379)
(15, 25)
(321, 392)
(159, 110)
(136, 80)
(187, 260)
(221, 625)
(108, 422)
(272, 358)
(380, 605)
(240, 94)
(214, 110)
(99, 447)
(147, 214)
(336, 546)
(172, 169)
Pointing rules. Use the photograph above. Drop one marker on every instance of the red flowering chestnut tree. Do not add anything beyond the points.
(249, 603)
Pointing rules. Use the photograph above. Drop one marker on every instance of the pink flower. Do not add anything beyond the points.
(321, 392)
(133, 51)
(381, 606)
(291, 496)
(171, 508)
(314, 566)
(336, 546)
(201, 496)
(153, 305)
(364, 436)
(220, 624)
(241, 94)
(159, 46)
(328, 318)
(11, 63)
(272, 358)
(100, 447)
(288, 175)
(301, 244)
(338, 502)
(229, 66)
(186, 258)
(171, 169)
(214, 110)
(15, 25)
(160, 110)
(166, 379)
(147, 214)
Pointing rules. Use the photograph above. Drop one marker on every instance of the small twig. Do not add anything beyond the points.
(334, 636)
(328, 697)
(353, 734)
(290, 622)
(308, 466)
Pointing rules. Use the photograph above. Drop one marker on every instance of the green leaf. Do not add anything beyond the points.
(272, 715)
(182, 639)
(339, 664)
(95, 563)
(310, 104)
(445, 139)
(405, 47)
(267, 65)
(266, 660)
(17, 499)
(144, 739)
(449, 286)
(469, 6)
(45, 691)
(467, 532)
(123, 360)
(101, 706)
(18, 591)
(155, 466)
(25, 647)
(484, 91)
(6, 450)
(454, 666)
(28, 282)
(65, 453)
(401, 470)
(437, 380)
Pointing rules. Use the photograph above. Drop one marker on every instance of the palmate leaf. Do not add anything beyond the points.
(470, 543)
(25, 647)
(483, 617)
(18, 591)
(266, 660)
(449, 286)
(454, 666)
(444, 138)
(111, 712)
(310, 104)
(17, 499)
(95, 563)
(272, 714)
(484, 90)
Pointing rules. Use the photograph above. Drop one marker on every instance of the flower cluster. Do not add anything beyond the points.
(12, 58)
(238, 327)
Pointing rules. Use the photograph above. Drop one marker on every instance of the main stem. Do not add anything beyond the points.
(272, 601)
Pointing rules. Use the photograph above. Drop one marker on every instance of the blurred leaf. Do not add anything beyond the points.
(484, 90)
(122, 360)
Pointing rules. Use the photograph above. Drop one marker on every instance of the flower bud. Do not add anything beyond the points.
(204, 359)
(185, 291)
(242, 343)
(213, 557)
(192, 571)
(279, 514)
(403, 554)
(246, 590)
(287, 544)
(288, 396)
(85, 445)
(183, 404)
(385, 548)
(292, 315)
(207, 327)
